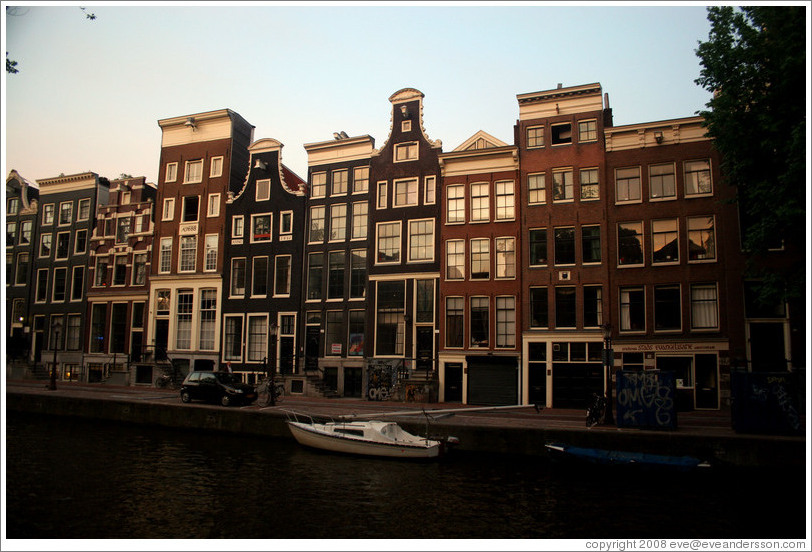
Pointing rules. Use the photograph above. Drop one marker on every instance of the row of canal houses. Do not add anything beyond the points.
(494, 273)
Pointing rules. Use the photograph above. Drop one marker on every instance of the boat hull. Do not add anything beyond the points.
(626, 458)
(308, 436)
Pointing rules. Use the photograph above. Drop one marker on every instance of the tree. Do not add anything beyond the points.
(754, 63)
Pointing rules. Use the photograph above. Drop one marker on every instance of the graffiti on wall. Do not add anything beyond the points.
(381, 379)
(646, 399)
(766, 402)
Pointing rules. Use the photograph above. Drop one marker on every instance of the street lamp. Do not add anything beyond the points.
(608, 362)
(56, 325)
(272, 368)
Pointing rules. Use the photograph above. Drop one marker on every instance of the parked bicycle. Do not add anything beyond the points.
(270, 392)
(596, 410)
(165, 381)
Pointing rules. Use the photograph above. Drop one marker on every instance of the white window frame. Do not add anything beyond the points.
(254, 260)
(535, 145)
(685, 177)
(509, 185)
(542, 191)
(429, 190)
(165, 254)
(651, 177)
(562, 172)
(337, 217)
(629, 198)
(238, 231)
(378, 226)
(262, 191)
(360, 231)
(508, 265)
(82, 202)
(381, 196)
(73, 288)
(216, 166)
(231, 290)
(316, 186)
(69, 211)
(486, 209)
(56, 247)
(189, 176)
(415, 194)
(694, 287)
(48, 213)
(456, 254)
(213, 205)
(589, 131)
(286, 293)
(181, 250)
(209, 240)
(50, 246)
(431, 242)
(171, 174)
(342, 190)
(449, 198)
(410, 151)
(190, 198)
(689, 231)
(364, 177)
(168, 212)
(270, 228)
(282, 216)
(59, 270)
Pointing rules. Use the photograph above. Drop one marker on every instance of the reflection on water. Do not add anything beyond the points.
(82, 479)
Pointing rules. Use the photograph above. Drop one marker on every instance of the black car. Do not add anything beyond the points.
(222, 387)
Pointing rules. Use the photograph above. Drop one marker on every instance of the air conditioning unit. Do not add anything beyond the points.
(564, 275)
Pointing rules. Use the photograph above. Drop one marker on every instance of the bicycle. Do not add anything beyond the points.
(264, 396)
(165, 381)
(596, 410)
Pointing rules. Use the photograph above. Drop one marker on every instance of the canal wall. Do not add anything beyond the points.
(510, 437)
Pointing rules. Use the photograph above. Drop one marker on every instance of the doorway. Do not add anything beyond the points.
(452, 389)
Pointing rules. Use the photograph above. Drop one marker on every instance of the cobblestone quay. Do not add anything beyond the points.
(704, 434)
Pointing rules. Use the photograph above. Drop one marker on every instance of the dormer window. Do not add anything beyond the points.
(406, 151)
(561, 134)
(263, 190)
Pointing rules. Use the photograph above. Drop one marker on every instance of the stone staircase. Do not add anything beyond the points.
(315, 386)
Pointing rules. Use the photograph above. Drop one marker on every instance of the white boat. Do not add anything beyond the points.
(371, 438)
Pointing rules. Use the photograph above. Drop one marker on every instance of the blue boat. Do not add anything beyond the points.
(626, 458)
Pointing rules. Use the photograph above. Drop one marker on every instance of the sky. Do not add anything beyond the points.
(89, 93)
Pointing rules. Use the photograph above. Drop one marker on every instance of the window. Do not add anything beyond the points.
(356, 333)
(454, 321)
(405, 126)
(120, 270)
(424, 302)
(588, 131)
(406, 151)
(214, 205)
(62, 245)
(338, 222)
(627, 184)
(455, 259)
(84, 209)
(65, 213)
(506, 322)
(593, 306)
(382, 199)
(318, 187)
(188, 253)
(535, 137)
(165, 261)
(73, 332)
(41, 294)
(480, 202)
(480, 259)
(237, 277)
(25, 232)
(282, 275)
(333, 334)
(259, 277)
(315, 267)
(561, 134)
(630, 243)
(11, 233)
(664, 241)
(216, 168)
(78, 284)
(194, 172)
(505, 257)
(257, 346)
(122, 229)
(261, 228)
(632, 310)
(169, 209)
(60, 284)
(591, 244)
(421, 240)
(139, 269)
(701, 238)
(565, 307)
(162, 299)
(589, 185)
(360, 180)
(359, 220)
(210, 252)
(704, 307)
(45, 241)
(505, 201)
(390, 323)
(208, 318)
(340, 180)
(316, 233)
(48, 213)
(430, 190)
(335, 275)
(562, 185)
(661, 181)
(80, 245)
(232, 349)
(286, 223)
(667, 311)
(388, 243)
(100, 272)
(237, 227)
(538, 247)
(480, 323)
(536, 188)
(358, 273)
(21, 273)
(564, 246)
(184, 319)
(405, 192)
(171, 174)
(698, 178)
(126, 197)
(190, 208)
(456, 204)
(13, 206)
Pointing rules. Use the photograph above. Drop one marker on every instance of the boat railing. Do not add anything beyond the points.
(305, 418)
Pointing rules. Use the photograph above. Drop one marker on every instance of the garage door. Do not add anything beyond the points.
(493, 381)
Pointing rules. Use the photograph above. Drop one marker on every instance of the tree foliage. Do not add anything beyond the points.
(754, 62)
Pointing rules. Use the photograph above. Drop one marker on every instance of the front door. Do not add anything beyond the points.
(425, 348)
(312, 348)
(453, 382)
(161, 338)
(352, 381)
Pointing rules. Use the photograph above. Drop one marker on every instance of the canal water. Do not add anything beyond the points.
(72, 478)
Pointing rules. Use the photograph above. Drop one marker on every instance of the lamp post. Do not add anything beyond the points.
(272, 365)
(56, 325)
(608, 362)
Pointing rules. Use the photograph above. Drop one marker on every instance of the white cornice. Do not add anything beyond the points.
(655, 134)
(335, 151)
